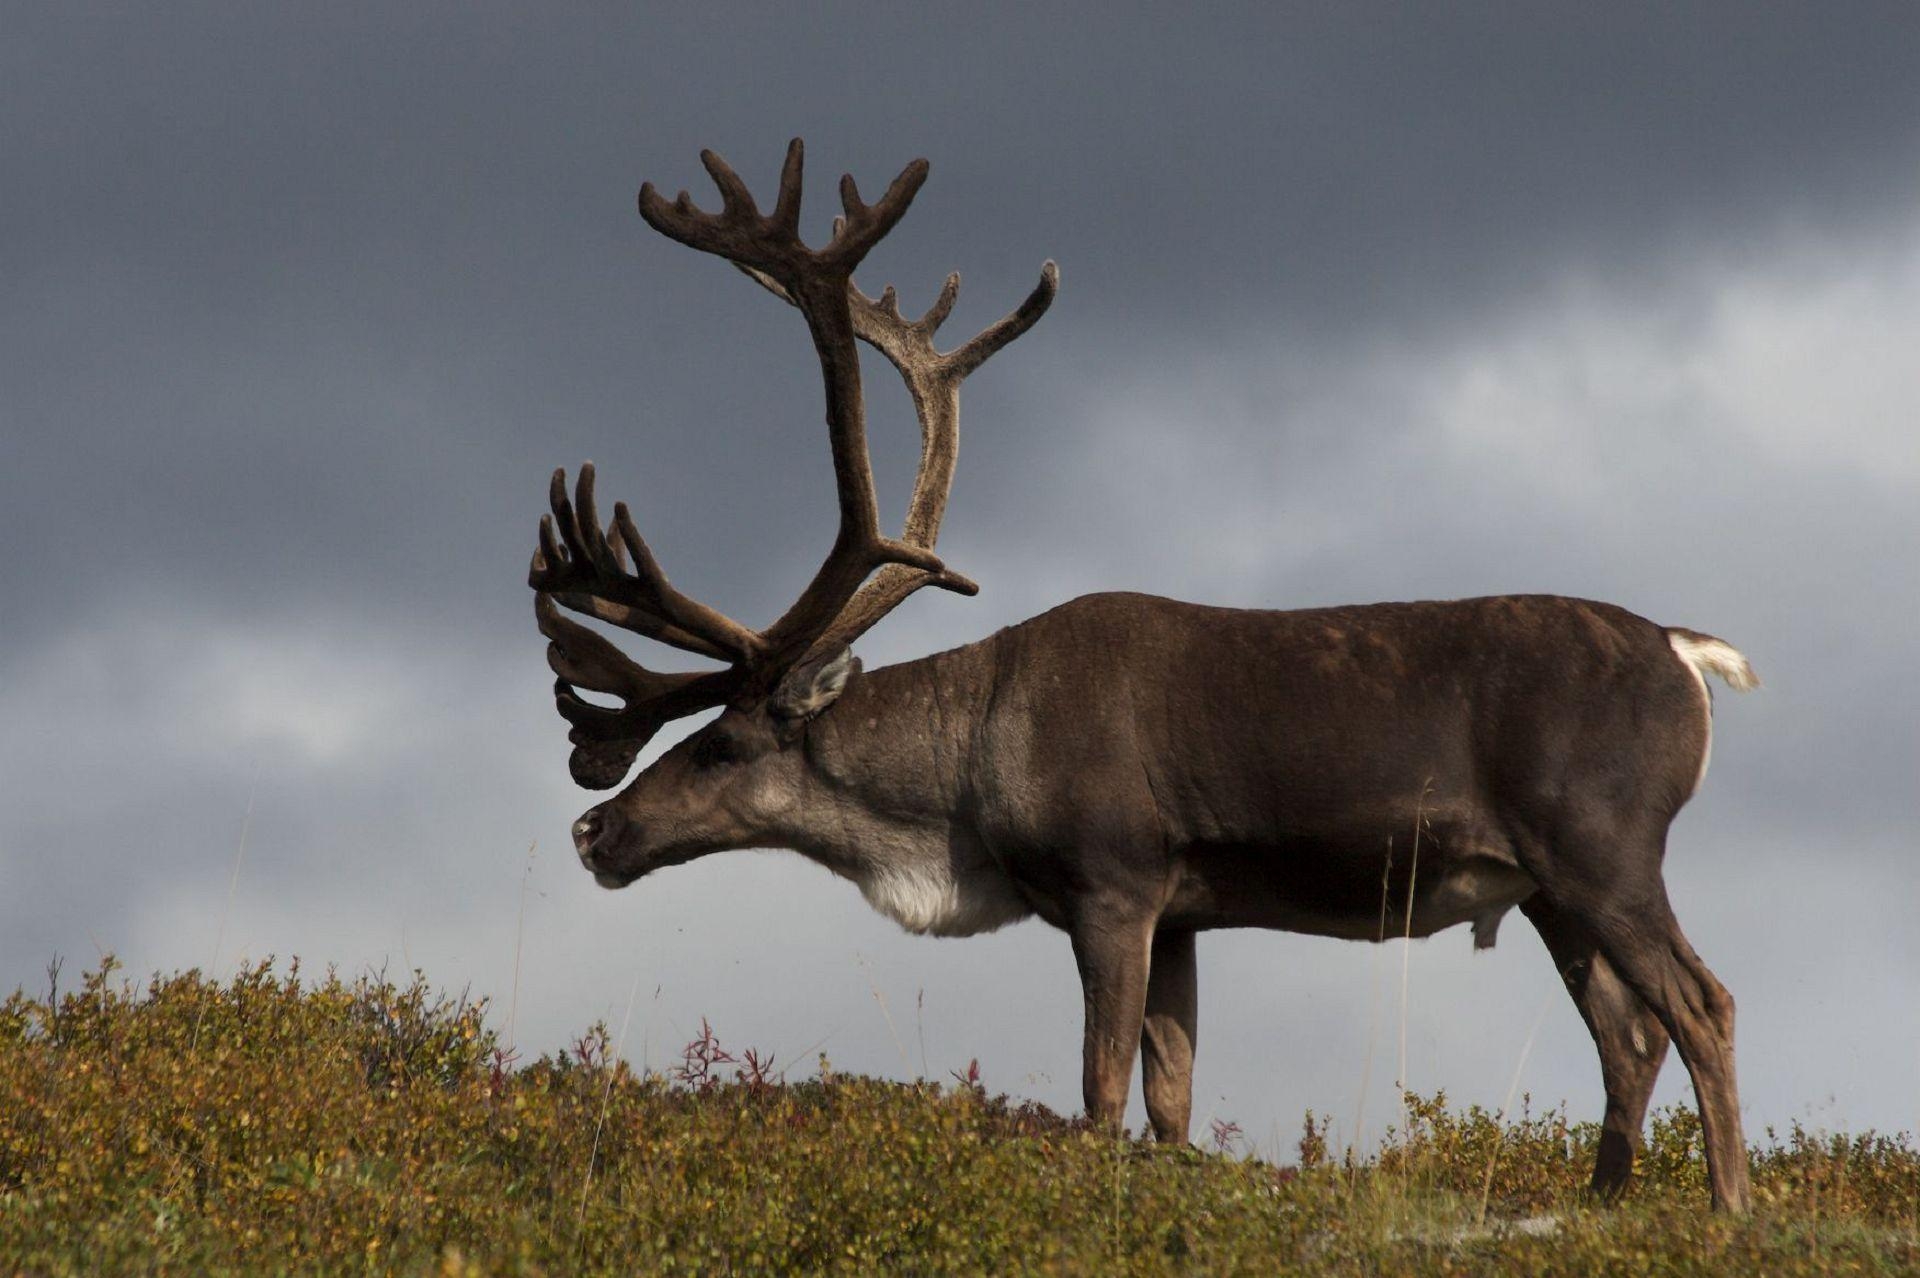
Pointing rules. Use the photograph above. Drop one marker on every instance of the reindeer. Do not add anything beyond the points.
(1135, 770)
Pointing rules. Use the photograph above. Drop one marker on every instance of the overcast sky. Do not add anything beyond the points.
(301, 308)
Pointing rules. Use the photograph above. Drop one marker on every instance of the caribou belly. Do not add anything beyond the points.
(1350, 892)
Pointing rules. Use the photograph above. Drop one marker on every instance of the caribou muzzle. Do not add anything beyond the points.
(595, 835)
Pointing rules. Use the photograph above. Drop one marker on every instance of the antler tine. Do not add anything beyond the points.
(942, 305)
(587, 660)
(818, 283)
(865, 224)
(735, 200)
(742, 234)
(933, 380)
(988, 342)
(607, 740)
(587, 573)
(739, 231)
(879, 323)
(786, 206)
(687, 613)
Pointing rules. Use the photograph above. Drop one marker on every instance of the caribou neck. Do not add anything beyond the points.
(890, 760)
(886, 792)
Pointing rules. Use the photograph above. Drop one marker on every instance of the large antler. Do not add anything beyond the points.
(933, 380)
(585, 568)
(818, 282)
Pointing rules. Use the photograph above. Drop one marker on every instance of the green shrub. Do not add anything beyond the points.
(271, 1124)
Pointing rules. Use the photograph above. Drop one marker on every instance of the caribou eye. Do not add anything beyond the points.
(716, 751)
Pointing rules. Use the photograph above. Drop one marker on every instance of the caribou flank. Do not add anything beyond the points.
(1135, 770)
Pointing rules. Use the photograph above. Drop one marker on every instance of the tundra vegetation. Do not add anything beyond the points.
(275, 1123)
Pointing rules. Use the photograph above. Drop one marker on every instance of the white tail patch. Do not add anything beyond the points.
(1704, 655)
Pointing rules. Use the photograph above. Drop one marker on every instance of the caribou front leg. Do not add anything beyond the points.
(1168, 1037)
(1112, 952)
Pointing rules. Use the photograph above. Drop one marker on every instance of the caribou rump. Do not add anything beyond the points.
(1135, 770)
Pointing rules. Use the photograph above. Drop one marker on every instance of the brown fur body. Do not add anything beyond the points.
(1135, 770)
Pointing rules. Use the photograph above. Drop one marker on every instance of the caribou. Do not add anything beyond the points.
(1134, 770)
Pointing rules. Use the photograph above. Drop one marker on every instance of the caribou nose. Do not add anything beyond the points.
(586, 832)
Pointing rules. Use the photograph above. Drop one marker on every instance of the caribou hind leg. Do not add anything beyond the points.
(1167, 1037)
(1632, 1042)
(1613, 890)
(1660, 964)
(1700, 1016)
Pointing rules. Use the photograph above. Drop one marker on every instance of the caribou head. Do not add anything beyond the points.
(738, 781)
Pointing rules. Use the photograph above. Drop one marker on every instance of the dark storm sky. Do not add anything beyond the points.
(300, 310)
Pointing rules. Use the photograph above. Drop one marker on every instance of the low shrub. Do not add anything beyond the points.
(276, 1124)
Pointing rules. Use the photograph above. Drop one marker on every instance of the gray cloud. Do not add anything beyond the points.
(301, 309)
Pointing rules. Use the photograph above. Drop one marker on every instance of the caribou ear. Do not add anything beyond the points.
(808, 689)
